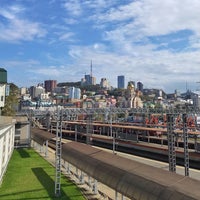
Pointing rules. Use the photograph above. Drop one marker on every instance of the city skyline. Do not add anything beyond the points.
(155, 42)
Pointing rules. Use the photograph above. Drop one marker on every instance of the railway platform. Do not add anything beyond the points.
(103, 192)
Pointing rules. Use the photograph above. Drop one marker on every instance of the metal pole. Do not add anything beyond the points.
(58, 152)
(89, 128)
(76, 132)
(171, 143)
(186, 152)
(111, 131)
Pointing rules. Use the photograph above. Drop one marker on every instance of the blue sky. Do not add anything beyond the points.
(152, 41)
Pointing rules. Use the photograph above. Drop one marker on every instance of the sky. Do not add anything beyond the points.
(152, 41)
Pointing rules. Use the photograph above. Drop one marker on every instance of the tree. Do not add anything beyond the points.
(11, 101)
(117, 92)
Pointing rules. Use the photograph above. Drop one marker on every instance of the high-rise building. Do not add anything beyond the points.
(36, 91)
(49, 85)
(104, 83)
(121, 82)
(140, 86)
(3, 76)
(74, 93)
(89, 79)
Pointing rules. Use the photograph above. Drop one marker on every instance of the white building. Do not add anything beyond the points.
(196, 99)
(44, 96)
(23, 91)
(35, 91)
(104, 83)
(2, 95)
(7, 135)
(74, 93)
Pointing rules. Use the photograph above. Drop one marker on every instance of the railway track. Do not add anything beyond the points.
(156, 152)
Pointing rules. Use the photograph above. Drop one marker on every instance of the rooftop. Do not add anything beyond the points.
(29, 176)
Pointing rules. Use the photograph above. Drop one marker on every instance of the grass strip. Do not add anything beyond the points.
(30, 177)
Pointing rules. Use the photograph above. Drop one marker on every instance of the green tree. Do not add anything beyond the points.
(11, 101)
(117, 92)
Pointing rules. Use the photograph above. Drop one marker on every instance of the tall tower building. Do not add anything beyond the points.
(49, 85)
(121, 82)
(3, 76)
(93, 80)
(140, 86)
(89, 79)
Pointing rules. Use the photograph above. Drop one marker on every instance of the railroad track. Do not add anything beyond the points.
(133, 149)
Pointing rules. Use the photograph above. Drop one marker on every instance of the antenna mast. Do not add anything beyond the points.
(91, 69)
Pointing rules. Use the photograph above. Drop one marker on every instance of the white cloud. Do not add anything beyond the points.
(126, 26)
(73, 7)
(51, 71)
(17, 29)
(20, 64)
(78, 7)
(66, 36)
(155, 17)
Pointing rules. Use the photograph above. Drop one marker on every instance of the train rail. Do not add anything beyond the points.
(151, 147)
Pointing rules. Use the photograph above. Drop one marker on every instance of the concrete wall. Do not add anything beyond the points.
(22, 132)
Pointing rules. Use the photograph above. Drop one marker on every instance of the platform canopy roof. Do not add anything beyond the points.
(41, 136)
(132, 179)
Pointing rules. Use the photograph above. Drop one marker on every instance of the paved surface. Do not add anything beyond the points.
(193, 173)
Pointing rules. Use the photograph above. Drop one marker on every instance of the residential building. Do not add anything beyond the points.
(104, 83)
(195, 96)
(156, 93)
(2, 95)
(61, 90)
(23, 91)
(3, 87)
(44, 96)
(74, 93)
(35, 91)
(49, 85)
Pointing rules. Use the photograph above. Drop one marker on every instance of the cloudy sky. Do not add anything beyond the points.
(152, 41)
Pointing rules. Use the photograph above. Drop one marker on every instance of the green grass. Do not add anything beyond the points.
(30, 177)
